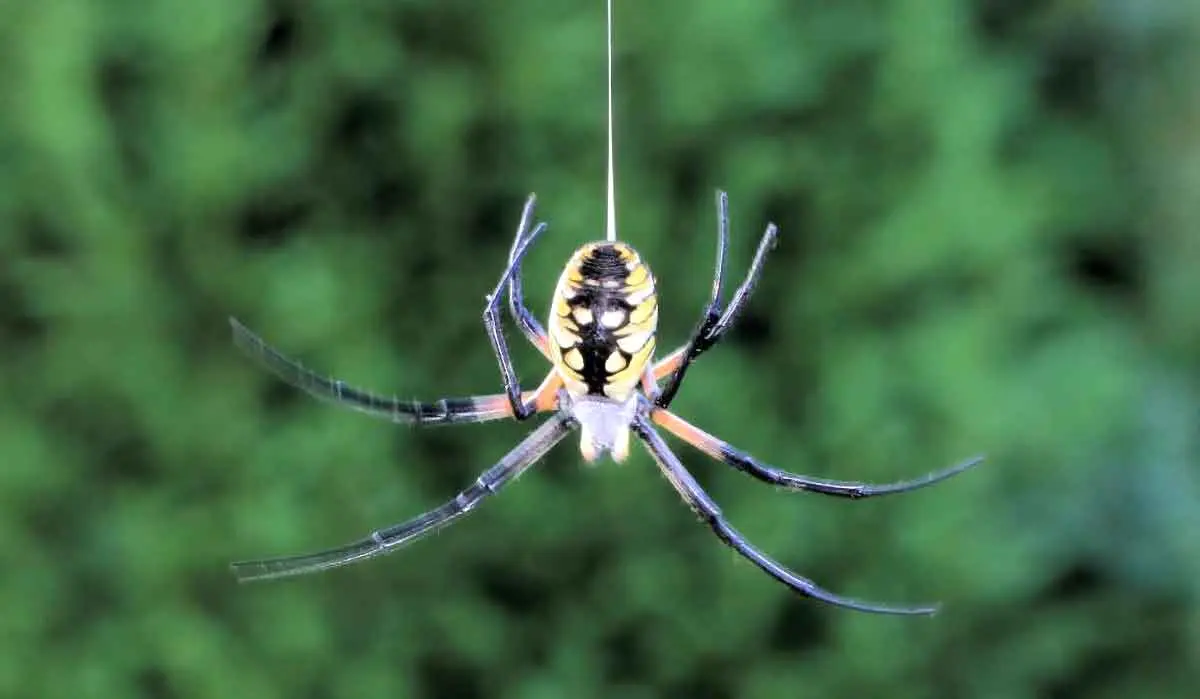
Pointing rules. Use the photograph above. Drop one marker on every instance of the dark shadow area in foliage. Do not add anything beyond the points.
(359, 150)
(626, 657)
(711, 680)
(18, 323)
(1108, 265)
(283, 35)
(1071, 80)
(1000, 19)
(154, 683)
(272, 218)
(800, 626)
(1080, 580)
(442, 676)
(122, 83)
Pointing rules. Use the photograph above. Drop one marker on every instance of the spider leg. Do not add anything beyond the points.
(715, 323)
(443, 411)
(491, 322)
(384, 541)
(703, 505)
(668, 364)
(723, 452)
(529, 324)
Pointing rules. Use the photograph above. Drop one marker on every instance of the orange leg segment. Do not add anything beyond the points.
(669, 363)
(544, 397)
(689, 433)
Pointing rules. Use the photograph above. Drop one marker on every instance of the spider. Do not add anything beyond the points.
(604, 382)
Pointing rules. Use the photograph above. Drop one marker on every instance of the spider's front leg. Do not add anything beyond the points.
(715, 323)
(525, 320)
(521, 408)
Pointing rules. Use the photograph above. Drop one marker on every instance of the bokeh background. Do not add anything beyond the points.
(988, 244)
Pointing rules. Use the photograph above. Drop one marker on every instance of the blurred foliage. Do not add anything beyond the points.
(987, 215)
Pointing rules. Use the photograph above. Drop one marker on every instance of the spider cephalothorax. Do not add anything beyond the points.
(603, 381)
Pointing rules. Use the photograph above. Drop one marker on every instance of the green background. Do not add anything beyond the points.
(988, 242)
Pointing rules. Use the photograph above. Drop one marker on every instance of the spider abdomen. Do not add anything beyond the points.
(603, 321)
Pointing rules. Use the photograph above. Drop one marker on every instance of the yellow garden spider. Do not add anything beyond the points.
(603, 381)
(601, 340)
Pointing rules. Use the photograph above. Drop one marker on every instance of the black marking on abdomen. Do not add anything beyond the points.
(596, 342)
(605, 263)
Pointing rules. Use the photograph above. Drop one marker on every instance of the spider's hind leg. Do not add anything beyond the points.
(710, 513)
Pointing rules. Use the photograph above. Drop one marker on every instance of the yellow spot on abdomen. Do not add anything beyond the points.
(563, 335)
(637, 275)
(643, 312)
(632, 343)
(621, 383)
(561, 307)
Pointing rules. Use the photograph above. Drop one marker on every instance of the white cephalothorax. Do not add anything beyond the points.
(603, 424)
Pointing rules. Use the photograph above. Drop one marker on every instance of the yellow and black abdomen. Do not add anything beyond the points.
(603, 321)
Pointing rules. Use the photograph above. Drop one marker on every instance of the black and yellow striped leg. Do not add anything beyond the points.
(387, 540)
(715, 322)
(521, 409)
(525, 320)
(703, 505)
(444, 411)
(721, 451)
